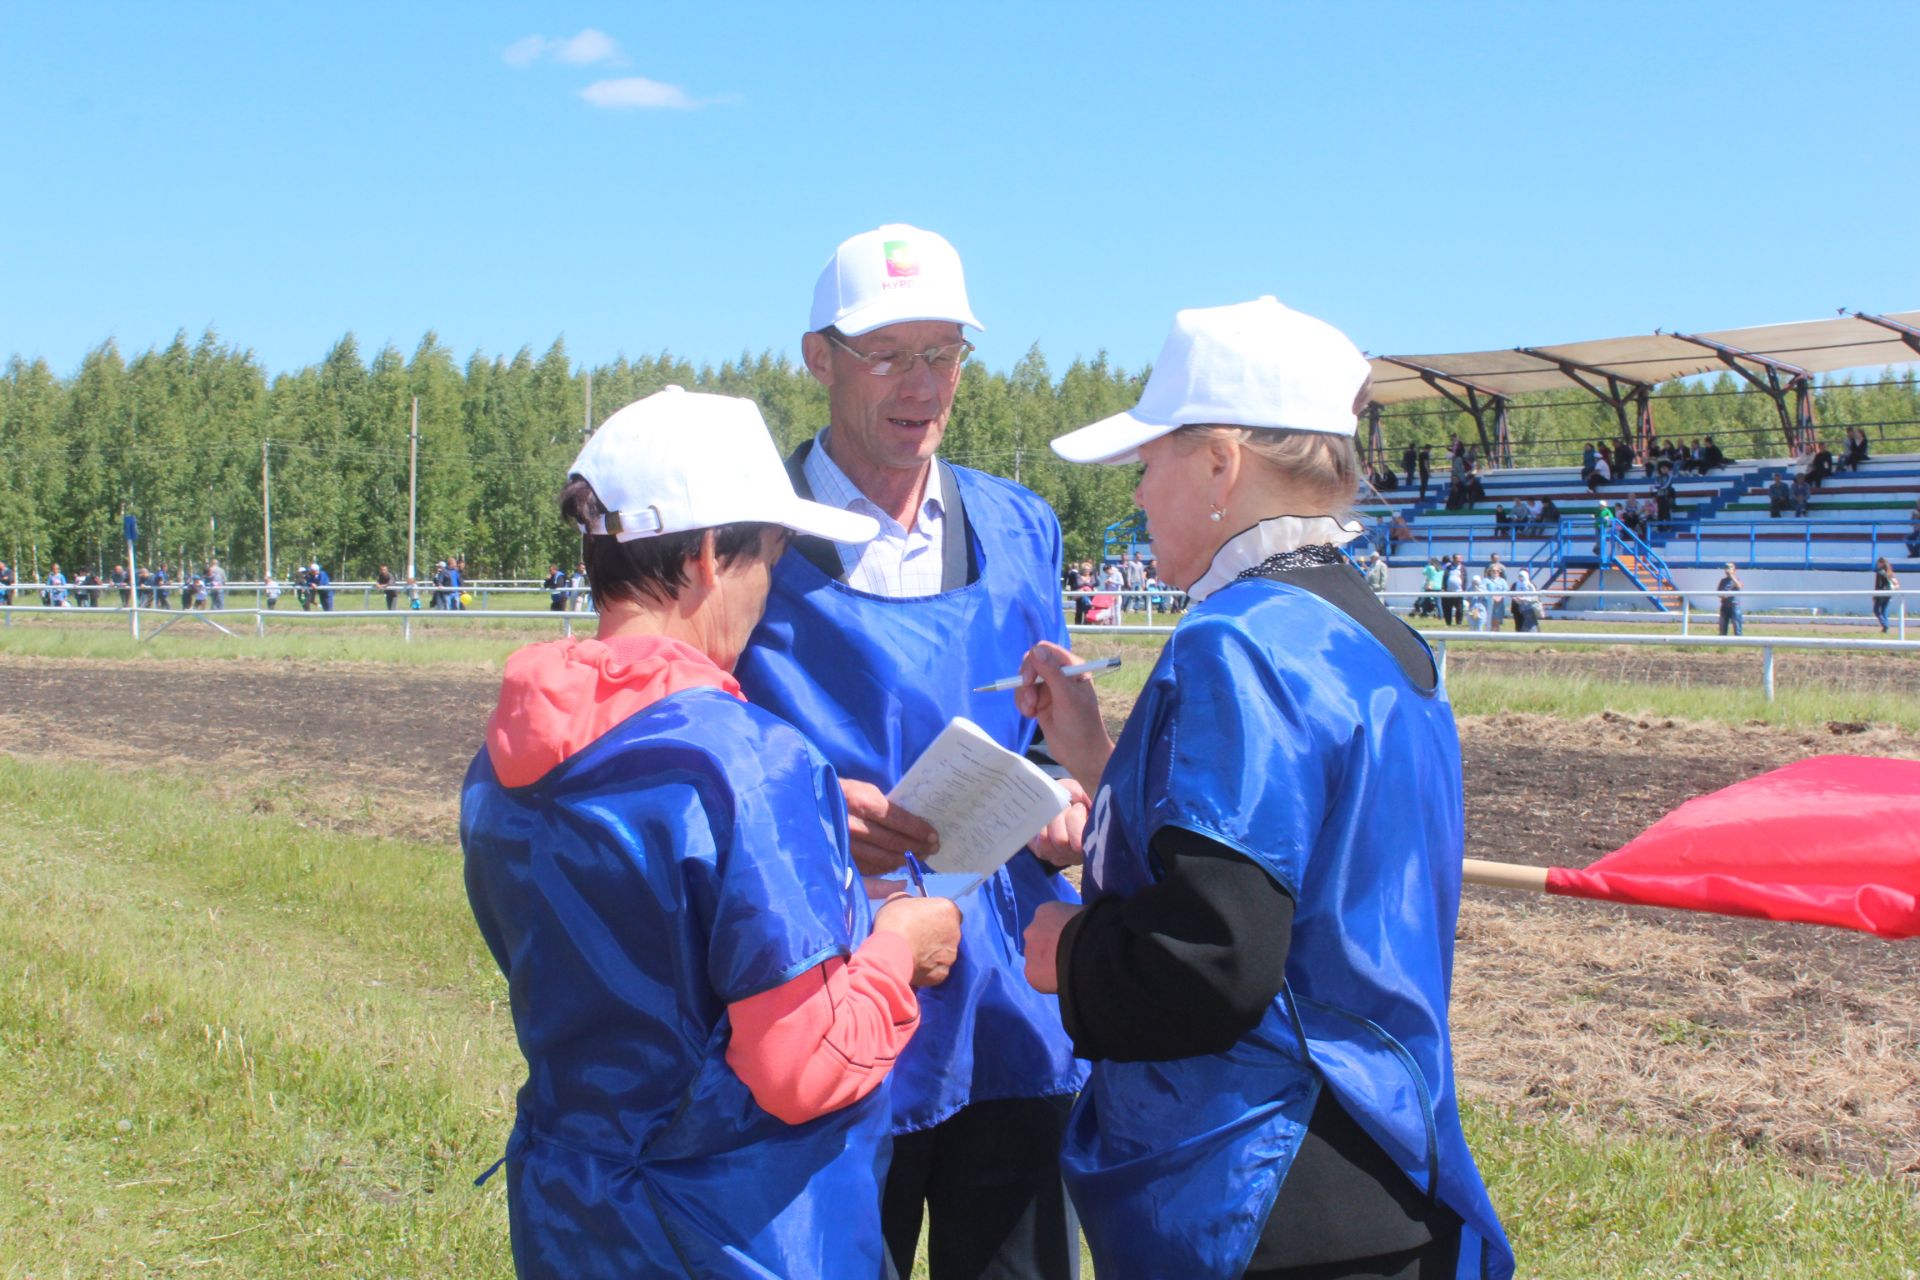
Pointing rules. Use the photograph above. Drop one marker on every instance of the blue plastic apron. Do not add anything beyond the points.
(872, 680)
(693, 856)
(1275, 724)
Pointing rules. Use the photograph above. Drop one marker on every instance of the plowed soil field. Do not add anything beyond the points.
(1802, 1040)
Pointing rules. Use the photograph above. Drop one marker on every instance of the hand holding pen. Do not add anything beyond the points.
(1058, 693)
(1099, 666)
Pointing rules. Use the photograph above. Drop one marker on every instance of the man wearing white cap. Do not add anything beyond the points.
(1261, 976)
(707, 1004)
(871, 649)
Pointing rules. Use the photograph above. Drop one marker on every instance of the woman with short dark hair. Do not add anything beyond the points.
(708, 1006)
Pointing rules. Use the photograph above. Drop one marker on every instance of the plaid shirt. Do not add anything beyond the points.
(899, 562)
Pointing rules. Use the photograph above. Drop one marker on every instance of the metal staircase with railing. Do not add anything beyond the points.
(1578, 550)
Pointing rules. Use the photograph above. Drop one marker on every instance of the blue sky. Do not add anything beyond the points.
(633, 177)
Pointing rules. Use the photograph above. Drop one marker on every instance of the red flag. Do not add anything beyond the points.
(1830, 840)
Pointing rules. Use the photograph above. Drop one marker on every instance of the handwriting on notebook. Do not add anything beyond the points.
(984, 800)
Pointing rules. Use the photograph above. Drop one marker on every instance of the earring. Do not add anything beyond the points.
(1214, 515)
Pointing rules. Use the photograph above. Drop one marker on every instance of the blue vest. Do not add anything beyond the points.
(873, 680)
(1275, 724)
(693, 856)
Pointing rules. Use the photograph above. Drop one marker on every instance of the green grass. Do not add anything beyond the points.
(1590, 1208)
(234, 1046)
(1810, 705)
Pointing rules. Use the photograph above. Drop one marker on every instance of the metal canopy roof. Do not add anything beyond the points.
(1623, 365)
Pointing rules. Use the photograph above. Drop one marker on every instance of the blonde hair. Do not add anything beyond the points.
(1324, 468)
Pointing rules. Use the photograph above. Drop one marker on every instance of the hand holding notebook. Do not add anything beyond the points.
(985, 801)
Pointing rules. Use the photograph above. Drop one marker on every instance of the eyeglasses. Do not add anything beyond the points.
(944, 361)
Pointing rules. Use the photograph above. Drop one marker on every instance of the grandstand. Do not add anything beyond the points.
(1723, 516)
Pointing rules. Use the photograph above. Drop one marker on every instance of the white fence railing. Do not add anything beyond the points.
(259, 616)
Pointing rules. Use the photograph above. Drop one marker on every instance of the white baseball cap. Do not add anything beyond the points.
(891, 275)
(1254, 364)
(681, 460)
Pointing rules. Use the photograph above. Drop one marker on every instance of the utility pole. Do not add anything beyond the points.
(413, 478)
(266, 509)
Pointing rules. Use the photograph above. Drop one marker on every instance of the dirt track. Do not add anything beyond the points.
(1803, 1040)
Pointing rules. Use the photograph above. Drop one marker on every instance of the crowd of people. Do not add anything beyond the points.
(1483, 601)
(1104, 593)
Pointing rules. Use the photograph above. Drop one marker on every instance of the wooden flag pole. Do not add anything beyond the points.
(1504, 875)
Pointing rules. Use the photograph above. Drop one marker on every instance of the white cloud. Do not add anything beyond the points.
(525, 51)
(639, 94)
(587, 48)
(583, 50)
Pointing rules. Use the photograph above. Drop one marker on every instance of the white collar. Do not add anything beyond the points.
(850, 495)
(1270, 537)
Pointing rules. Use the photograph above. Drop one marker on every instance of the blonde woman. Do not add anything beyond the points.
(1260, 974)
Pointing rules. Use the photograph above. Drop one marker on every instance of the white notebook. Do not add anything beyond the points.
(985, 801)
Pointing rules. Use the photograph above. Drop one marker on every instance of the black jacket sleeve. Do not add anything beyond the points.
(1183, 968)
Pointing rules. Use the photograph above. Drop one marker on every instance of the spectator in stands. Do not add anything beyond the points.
(1663, 491)
(1913, 537)
(1431, 578)
(1384, 479)
(1821, 464)
(1883, 580)
(1456, 495)
(1711, 456)
(1525, 603)
(1731, 616)
(1587, 457)
(1453, 583)
(1622, 457)
(1457, 461)
(1549, 514)
(1410, 464)
(1603, 518)
(1654, 454)
(1600, 473)
(1500, 517)
(1800, 494)
(1629, 513)
(1476, 492)
(1398, 531)
(1856, 449)
(1779, 494)
(1426, 468)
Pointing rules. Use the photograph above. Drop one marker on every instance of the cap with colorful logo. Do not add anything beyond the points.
(891, 275)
